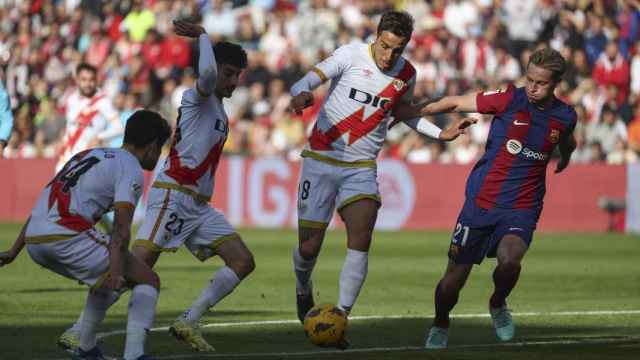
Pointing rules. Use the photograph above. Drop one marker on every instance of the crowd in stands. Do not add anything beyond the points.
(458, 46)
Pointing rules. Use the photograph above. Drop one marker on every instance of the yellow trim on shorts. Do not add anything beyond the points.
(312, 224)
(320, 74)
(43, 239)
(359, 197)
(160, 216)
(123, 205)
(150, 245)
(335, 162)
(101, 279)
(216, 243)
(185, 190)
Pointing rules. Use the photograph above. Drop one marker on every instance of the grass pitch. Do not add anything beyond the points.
(578, 298)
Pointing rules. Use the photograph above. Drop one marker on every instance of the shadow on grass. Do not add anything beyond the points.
(471, 339)
(80, 289)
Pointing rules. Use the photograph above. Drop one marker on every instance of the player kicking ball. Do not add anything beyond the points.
(178, 210)
(60, 233)
(506, 187)
(368, 83)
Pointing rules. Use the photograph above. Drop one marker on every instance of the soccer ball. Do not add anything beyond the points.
(325, 325)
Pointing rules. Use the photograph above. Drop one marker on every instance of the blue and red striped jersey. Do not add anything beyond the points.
(512, 172)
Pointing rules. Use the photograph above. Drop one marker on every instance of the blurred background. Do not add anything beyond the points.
(458, 46)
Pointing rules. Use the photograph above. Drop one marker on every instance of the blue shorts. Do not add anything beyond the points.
(478, 231)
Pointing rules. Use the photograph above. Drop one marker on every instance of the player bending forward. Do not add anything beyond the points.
(506, 187)
(178, 210)
(368, 82)
(61, 237)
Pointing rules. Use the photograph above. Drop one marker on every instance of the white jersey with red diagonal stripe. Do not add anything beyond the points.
(201, 131)
(352, 122)
(89, 185)
(86, 118)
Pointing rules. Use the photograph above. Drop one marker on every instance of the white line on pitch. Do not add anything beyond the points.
(584, 341)
(379, 317)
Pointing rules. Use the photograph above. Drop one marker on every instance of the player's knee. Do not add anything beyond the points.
(509, 265)
(248, 264)
(309, 249)
(243, 264)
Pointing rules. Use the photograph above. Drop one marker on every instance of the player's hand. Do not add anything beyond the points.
(562, 164)
(185, 28)
(7, 257)
(114, 282)
(456, 129)
(301, 102)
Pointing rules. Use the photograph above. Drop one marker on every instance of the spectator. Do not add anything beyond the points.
(458, 46)
(138, 21)
(595, 39)
(6, 119)
(620, 154)
(634, 134)
(597, 154)
(607, 131)
(612, 69)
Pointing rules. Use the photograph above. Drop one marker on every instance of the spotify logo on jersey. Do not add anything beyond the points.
(514, 147)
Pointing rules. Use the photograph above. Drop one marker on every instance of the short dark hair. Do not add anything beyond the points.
(87, 67)
(230, 53)
(398, 22)
(145, 127)
(551, 60)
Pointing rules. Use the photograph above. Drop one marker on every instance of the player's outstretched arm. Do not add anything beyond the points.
(123, 217)
(301, 92)
(427, 128)
(410, 112)
(7, 257)
(449, 104)
(207, 66)
(566, 147)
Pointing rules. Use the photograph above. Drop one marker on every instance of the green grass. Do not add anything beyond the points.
(561, 273)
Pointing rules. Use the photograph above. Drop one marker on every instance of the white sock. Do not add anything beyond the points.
(354, 272)
(303, 269)
(222, 284)
(94, 311)
(142, 310)
(111, 298)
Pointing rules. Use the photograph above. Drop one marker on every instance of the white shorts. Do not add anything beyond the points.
(323, 185)
(174, 218)
(84, 257)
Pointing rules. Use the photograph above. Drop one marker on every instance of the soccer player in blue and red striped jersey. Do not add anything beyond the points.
(506, 187)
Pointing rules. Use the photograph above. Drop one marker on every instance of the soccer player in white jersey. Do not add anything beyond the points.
(60, 233)
(91, 117)
(178, 210)
(368, 82)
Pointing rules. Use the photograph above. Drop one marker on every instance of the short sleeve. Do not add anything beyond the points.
(495, 101)
(334, 65)
(129, 183)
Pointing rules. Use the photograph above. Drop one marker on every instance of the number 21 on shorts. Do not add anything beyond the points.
(460, 235)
